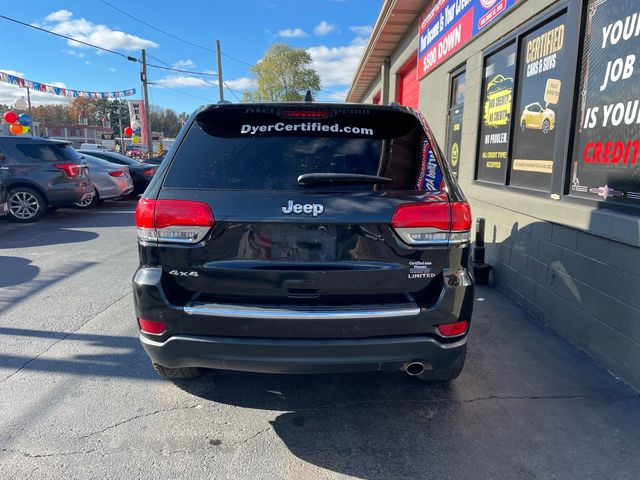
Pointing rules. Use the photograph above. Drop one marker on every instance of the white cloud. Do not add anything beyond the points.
(12, 72)
(184, 64)
(73, 53)
(323, 28)
(62, 22)
(183, 81)
(10, 93)
(292, 33)
(362, 30)
(242, 83)
(112, 70)
(336, 65)
(59, 16)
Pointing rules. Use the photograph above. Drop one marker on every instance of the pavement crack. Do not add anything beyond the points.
(136, 417)
(64, 337)
(528, 397)
(259, 432)
(46, 455)
(463, 401)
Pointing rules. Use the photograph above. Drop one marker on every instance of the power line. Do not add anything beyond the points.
(156, 28)
(190, 72)
(131, 59)
(180, 91)
(128, 57)
(231, 90)
(238, 60)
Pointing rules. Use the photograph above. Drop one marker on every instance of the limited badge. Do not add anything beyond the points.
(420, 269)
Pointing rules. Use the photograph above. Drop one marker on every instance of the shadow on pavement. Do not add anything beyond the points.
(524, 396)
(61, 227)
(21, 271)
(124, 356)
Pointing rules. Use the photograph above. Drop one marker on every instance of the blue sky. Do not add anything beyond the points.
(333, 31)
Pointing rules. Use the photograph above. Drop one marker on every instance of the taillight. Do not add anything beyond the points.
(149, 171)
(177, 221)
(453, 329)
(433, 223)
(71, 169)
(151, 326)
(117, 173)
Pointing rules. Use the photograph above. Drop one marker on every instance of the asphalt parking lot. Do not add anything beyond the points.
(78, 397)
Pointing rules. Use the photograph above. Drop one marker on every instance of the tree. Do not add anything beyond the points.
(283, 74)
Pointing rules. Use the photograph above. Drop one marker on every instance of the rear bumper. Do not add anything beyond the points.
(291, 341)
(301, 355)
(67, 195)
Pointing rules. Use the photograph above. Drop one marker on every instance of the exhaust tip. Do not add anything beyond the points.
(414, 368)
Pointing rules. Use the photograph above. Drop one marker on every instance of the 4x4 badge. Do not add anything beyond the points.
(314, 209)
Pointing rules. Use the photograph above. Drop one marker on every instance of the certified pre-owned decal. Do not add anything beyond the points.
(420, 269)
(304, 127)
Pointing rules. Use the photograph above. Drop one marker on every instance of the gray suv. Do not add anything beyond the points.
(41, 174)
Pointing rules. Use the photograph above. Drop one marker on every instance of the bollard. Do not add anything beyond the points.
(481, 269)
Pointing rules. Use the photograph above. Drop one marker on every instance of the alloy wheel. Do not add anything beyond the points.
(23, 205)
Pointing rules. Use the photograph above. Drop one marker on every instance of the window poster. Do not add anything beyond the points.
(606, 164)
(455, 137)
(495, 123)
(544, 75)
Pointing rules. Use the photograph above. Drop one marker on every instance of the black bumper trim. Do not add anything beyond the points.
(269, 355)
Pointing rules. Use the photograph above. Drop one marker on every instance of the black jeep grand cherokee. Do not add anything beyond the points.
(304, 237)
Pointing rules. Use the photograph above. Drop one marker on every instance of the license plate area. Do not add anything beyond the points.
(298, 242)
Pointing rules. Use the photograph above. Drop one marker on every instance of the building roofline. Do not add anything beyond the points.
(394, 20)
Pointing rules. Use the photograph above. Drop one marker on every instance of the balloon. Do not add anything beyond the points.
(25, 128)
(16, 129)
(136, 124)
(137, 132)
(10, 117)
(128, 131)
(135, 139)
(25, 120)
(20, 104)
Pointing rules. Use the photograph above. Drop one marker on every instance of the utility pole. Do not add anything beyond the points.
(147, 122)
(30, 114)
(220, 83)
(122, 149)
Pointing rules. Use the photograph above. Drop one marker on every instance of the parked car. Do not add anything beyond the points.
(155, 160)
(304, 238)
(109, 180)
(536, 117)
(41, 174)
(93, 146)
(141, 173)
(4, 206)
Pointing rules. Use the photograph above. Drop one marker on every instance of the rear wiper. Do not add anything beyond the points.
(308, 179)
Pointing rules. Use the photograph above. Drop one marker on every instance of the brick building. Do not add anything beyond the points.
(536, 105)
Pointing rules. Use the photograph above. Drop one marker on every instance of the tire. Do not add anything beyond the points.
(86, 205)
(523, 126)
(186, 373)
(545, 127)
(26, 205)
(445, 374)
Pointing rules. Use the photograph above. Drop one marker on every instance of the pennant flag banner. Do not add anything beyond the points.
(64, 92)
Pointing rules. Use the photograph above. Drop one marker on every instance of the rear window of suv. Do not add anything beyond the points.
(251, 148)
(49, 152)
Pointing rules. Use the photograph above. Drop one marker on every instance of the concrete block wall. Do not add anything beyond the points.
(584, 287)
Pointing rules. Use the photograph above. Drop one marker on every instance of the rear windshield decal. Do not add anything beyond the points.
(304, 127)
(430, 177)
